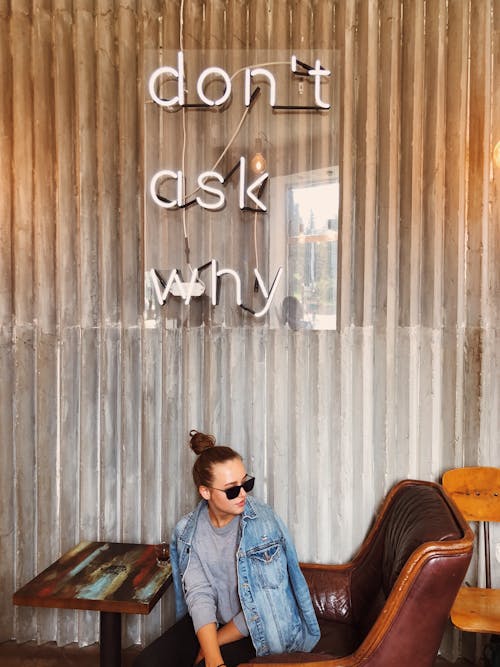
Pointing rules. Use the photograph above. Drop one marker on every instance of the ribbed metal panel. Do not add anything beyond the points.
(98, 393)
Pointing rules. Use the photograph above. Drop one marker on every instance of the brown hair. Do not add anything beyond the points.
(209, 454)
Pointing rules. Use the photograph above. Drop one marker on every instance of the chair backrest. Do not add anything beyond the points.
(418, 515)
(476, 492)
(414, 519)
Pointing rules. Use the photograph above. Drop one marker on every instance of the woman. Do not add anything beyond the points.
(239, 591)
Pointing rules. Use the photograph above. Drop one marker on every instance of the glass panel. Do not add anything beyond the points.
(241, 200)
(312, 252)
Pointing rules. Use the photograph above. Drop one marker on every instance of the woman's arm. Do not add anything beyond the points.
(212, 639)
(200, 597)
(209, 646)
(228, 633)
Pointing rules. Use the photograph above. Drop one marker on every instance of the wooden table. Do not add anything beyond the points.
(109, 577)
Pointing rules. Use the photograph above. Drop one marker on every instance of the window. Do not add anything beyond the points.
(304, 240)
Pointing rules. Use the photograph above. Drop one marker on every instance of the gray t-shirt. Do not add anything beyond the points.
(210, 580)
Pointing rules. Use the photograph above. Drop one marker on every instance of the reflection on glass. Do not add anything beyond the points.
(312, 217)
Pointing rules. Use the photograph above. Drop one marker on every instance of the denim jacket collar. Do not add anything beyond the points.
(249, 512)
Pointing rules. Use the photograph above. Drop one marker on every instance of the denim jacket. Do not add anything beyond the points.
(273, 592)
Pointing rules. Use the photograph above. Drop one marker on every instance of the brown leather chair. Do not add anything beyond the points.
(389, 606)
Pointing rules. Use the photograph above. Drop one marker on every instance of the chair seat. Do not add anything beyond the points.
(291, 658)
(477, 610)
(337, 640)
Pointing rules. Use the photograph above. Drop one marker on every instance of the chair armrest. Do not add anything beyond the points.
(330, 588)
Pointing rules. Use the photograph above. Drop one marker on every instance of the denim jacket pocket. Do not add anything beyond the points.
(268, 564)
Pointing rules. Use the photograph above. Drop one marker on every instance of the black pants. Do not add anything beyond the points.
(179, 646)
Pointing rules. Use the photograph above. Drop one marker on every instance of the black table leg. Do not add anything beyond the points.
(110, 639)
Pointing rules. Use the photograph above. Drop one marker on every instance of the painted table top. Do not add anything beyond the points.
(100, 576)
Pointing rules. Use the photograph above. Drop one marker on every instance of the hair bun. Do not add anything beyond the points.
(199, 442)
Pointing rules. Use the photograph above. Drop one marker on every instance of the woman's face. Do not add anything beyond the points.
(224, 476)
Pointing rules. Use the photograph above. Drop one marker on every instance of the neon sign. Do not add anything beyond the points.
(203, 180)
(167, 186)
(195, 287)
(179, 100)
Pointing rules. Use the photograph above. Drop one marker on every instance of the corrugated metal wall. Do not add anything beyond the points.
(95, 406)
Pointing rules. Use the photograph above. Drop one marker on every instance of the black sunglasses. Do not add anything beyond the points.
(234, 491)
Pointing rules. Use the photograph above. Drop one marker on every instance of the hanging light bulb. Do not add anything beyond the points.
(258, 162)
(496, 155)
